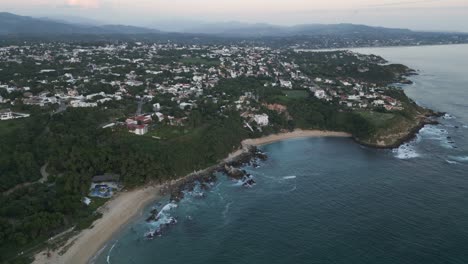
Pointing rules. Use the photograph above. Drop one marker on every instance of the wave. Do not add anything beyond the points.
(168, 207)
(459, 158)
(406, 151)
(448, 117)
(437, 134)
(451, 161)
(109, 253)
(163, 216)
(433, 132)
(226, 209)
(289, 177)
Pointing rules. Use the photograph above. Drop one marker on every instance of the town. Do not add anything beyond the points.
(164, 82)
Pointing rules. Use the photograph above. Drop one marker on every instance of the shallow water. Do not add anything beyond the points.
(329, 200)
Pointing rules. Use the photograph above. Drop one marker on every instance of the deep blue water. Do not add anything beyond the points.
(330, 200)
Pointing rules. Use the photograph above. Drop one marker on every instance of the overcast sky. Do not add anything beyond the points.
(450, 15)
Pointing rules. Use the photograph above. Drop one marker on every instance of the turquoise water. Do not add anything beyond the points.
(329, 200)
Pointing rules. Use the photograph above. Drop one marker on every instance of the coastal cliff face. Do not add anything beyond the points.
(398, 129)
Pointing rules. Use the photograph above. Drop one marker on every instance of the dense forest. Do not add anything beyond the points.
(76, 149)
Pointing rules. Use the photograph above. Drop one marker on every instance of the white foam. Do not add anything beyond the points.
(406, 151)
(226, 209)
(110, 250)
(168, 207)
(451, 161)
(163, 215)
(289, 177)
(459, 158)
(433, 132)
(448, 117)
(438, 134)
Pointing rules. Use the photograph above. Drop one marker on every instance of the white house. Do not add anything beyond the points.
(261, 120)
(78, 103)
(183, 106)
(141, 130)
(378, 102)
(286, 84)
(320, 94)
(160, 116)
(156, 107)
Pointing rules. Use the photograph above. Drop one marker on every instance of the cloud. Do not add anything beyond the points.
(84, 3)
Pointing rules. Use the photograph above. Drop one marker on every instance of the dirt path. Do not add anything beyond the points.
(43, 179)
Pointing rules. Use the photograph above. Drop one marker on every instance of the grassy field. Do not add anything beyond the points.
(199, 61)
(378, 119)
(296, 93)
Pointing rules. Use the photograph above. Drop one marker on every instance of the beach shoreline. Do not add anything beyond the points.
(116, 213)
(127, 205)
(298, 133)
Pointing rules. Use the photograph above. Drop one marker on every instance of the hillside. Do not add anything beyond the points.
(11, 24)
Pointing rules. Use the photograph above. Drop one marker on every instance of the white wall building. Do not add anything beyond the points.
(261, 120)
(320, 94)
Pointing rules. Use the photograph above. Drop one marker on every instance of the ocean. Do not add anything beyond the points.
(330, 200)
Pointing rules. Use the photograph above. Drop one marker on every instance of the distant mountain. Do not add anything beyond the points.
(11, 24)
(261, 29)
(74, 20)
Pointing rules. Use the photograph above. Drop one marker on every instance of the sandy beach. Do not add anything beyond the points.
(116, 213)
(126, 205)
(298, 133)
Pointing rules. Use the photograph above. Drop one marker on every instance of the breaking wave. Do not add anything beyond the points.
(459, 158)
(437, 134)
(226, 209)
(110, 251)
(289, 177)
(448, 117)
(406, 151)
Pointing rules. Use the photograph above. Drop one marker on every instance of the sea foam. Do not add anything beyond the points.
(406, 151)
(437, 134)
(459, 158)
(448, 117)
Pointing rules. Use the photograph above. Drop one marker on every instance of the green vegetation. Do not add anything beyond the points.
(296, 93)
(76, 148)
(200, 61)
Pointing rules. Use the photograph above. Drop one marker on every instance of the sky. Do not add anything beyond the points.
(440, 15)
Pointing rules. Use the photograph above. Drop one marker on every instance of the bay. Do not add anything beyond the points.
(330, 200)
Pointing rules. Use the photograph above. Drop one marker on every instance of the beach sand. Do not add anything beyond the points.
(126, 205)
(298, 133)
(116, 213)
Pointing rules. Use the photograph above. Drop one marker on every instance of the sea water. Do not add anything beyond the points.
(330, 200)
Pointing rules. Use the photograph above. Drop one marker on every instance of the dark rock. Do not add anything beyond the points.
(249, 183)
(234, 172)
(152, 218)
(204, 186)
(177, 195)
(262, 156)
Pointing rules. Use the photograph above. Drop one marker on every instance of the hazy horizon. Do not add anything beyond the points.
(436, 15)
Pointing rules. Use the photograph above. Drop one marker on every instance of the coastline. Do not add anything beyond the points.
(125, 206)
(117, 212)
(298, 133)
